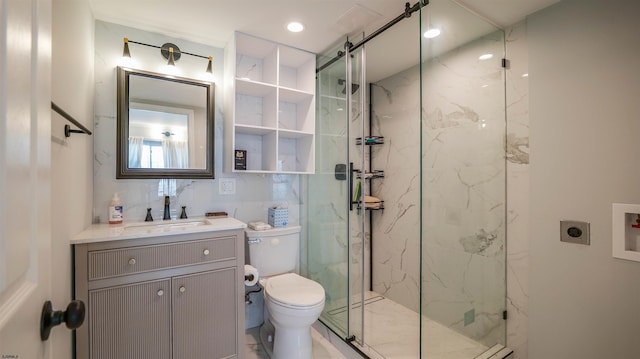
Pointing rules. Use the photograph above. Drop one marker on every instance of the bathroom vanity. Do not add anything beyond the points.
(170, 289)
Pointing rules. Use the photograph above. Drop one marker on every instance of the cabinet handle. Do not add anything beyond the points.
(160, 292)
(183, 289)
(205, 252)
(132, 261)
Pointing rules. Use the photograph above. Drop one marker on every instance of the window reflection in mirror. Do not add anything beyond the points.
(165, 126)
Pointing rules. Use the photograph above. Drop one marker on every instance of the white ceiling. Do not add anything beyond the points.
(213, 22)
(326, 23)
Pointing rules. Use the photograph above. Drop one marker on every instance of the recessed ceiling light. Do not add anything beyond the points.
(295, 27)
(431, 33)
(485, 56)
(525, 75)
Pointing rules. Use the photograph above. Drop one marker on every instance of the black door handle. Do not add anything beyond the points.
(73, 317)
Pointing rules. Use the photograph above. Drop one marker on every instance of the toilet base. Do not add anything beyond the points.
(286, 343)
(267, 332)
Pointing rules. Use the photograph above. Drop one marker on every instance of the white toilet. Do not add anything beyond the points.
(292, 302)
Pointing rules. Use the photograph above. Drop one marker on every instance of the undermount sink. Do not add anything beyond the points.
(100, 232)
(166, 225)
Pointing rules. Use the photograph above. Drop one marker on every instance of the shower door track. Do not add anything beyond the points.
(406, 14)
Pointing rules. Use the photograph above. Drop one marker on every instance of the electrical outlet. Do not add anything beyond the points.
(575, 232)
(227, 186)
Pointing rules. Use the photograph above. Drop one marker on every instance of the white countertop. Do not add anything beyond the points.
(132, 230)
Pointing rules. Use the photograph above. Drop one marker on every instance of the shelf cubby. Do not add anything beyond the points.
(295, 67)
(256, 60)
(296, 110)
(260, 146)
(295, 152)
(271, 111)
(257, 109)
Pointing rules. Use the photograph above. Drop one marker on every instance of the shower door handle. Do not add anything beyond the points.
(350, 186)
(354, 198)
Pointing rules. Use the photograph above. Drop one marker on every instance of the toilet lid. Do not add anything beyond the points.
(293, 290)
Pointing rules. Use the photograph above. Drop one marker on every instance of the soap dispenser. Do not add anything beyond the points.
(115, 210)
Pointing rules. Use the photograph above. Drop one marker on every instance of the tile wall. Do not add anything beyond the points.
(463, 190)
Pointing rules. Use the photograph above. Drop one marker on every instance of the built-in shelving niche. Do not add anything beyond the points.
(272, 115)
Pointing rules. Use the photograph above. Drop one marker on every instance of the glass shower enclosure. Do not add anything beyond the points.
(406, 211)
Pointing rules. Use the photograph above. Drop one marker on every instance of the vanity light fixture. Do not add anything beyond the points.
(209, 65)
(169, 51)
(125, 52)
(171, 62)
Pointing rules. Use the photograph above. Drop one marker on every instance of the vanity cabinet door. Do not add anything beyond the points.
(131, 321)
(205, 323)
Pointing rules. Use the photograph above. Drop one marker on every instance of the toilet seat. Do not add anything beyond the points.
(293, 291)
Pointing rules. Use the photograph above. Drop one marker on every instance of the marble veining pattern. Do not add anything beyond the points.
(463, 191)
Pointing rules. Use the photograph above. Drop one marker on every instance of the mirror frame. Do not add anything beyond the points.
(122, 149)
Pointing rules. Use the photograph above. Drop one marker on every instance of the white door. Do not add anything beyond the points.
(25, 185)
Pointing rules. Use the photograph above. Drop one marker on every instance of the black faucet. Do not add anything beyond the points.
(167, 213)
(149, 218)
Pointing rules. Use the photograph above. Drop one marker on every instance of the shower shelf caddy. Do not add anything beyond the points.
(269, 106)
(368, 175)
(371, 140)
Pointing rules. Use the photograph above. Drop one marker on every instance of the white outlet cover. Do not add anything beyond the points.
(227, 186)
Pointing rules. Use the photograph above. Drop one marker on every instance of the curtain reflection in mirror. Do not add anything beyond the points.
(167, 153)
(175, 153)
(159, 136)
(135, 151)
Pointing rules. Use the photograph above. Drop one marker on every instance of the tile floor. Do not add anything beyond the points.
(391, 332)
(322, 348)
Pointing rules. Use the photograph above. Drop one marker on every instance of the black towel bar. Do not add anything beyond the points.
(67, 129)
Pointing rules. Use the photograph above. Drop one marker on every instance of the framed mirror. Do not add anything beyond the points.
(165, 126)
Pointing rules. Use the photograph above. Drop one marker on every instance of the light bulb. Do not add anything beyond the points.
(431, 33)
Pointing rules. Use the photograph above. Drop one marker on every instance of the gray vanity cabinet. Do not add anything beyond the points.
(173, 297)
(131, 321)
(202, 304)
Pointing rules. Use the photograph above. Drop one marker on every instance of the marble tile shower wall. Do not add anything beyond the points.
(463, 189)
(254, 192)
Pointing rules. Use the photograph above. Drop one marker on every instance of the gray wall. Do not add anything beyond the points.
(584, 91)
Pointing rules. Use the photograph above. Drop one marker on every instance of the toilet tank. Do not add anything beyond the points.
(274, 251)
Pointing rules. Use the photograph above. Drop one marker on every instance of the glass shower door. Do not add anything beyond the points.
(463, 276)
(336, 224)
(358, 244)
(328, 197)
